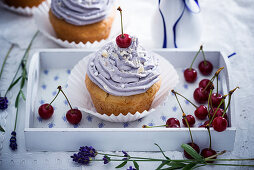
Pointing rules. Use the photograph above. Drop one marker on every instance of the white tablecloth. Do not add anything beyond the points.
(228, 26)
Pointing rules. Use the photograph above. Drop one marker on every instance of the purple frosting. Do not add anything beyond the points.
(81, 12)
(123, 71)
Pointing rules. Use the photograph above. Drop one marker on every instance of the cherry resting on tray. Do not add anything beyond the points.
(123, 40)
(172, 122)
(201, 112)
(203, 83)
(205, 67)
(46, 110)
(73, 116)
(190, 74)
(220, 124)
(200, 95)
(216, 99)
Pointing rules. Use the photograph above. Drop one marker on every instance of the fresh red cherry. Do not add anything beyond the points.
(216, 99)
(74, 116)
(203, 83)
(200, 95)
(45, 111)
(201, 112)
(207, 153)
(190, 75)
(123, 41)
(172, 122)
(220, 124)
(218, 113)
(205, 67)
(191, 120)
(195, 147)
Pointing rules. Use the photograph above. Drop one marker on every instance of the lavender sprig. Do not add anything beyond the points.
(23, 78)
(4, 100)
(88, 154)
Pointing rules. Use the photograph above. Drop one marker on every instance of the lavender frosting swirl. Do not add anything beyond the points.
(81, 12)
(123, 71)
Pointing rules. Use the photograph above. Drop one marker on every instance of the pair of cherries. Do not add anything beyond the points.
(205, 67)
(46, 110)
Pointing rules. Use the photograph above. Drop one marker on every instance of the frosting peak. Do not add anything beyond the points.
(123, 71)
(81, 12)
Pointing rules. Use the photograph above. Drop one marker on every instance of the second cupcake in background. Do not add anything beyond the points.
(24, 3)
(82, 20)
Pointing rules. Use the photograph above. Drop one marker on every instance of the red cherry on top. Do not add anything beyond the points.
(207, 153)
(74, 116)
(220, 124)
(205, 67)
(200, 95)
(216, 99)
(123, 41)
(190, 119)
(190, 75)
(203, 83)
(201, 112)
(45, 111)
(173, 123)
(195, 147)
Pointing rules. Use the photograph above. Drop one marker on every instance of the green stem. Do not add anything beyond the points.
(5, 59)
(179, 103)
(217, 78)
(225, 109)
(185, 98)
(60, 89)
(216, 111)
(146, 126)
(16, 118)
(250, 159)
(195, 58)
(188, 128)
(53, 99)
(210, 138)
(208, 104)
(204, 56)
(228, 164)
(24, 59)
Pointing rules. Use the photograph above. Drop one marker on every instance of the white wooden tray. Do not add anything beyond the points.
(50, 68)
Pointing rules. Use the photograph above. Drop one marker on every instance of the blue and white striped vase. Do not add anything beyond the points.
(177, 24)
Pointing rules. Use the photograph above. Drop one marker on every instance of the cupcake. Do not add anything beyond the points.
(122, 80)
(81, 20)
(24, 3)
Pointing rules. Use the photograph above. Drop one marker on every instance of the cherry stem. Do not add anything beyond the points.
(179, 103)
(209, 102)
(173, 91)
(216, 111)
(217, 78)
(184, 117)
(195, 58)
(210, 138)
(229, 100)
(146, 126)
(53, 99)
(203, 54)
(60, 89)
(213, 156)
(119, 9)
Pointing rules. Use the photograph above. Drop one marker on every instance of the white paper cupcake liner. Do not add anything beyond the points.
(24, 11)
(42, 20)
(80, 97)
